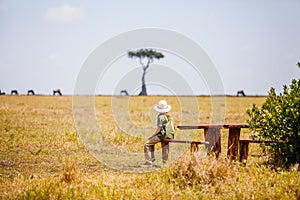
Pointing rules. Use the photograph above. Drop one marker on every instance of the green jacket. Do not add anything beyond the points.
(166, 127)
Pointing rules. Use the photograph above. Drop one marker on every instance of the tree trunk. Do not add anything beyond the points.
(144, 90)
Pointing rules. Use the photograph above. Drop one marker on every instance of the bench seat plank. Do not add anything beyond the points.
(256, 141)
(186, 141)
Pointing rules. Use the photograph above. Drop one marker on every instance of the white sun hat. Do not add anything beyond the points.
(162, 107)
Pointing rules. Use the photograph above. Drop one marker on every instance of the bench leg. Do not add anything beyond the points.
(244, 150)
(213, 136)
(194, 147)
(165, 148)
(233, 143)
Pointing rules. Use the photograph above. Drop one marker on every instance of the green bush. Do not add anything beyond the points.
(278, 120)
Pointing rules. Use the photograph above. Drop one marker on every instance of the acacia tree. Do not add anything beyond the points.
(146, 57)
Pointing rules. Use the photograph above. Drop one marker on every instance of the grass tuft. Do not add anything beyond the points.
(70, 173)
(192, 170)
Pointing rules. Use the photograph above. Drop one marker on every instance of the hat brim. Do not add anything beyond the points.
(162, 110)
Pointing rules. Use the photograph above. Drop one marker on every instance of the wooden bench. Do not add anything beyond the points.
(194, 146)
(244, 148)
(212, 134)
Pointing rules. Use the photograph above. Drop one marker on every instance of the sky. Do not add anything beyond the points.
(254, 45)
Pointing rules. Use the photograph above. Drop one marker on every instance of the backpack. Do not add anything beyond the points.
(169, 129)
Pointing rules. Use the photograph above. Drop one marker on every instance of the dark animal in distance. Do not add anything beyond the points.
(2, 93)
(30, 92)
(57, 92)
(14, 92)
(124, 92)
(241, 93)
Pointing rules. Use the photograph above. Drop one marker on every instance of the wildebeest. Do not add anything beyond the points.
(57, 91)
(241, 92)
(14, 92)
(30, 92)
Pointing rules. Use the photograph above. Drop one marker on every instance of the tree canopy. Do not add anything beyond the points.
(146, 57)
(146, 53)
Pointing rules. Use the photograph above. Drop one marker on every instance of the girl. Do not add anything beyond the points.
(162, 118)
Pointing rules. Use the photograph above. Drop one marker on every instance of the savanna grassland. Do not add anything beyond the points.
(41, 156)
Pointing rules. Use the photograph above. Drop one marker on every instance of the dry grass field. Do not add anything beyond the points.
(42, 157)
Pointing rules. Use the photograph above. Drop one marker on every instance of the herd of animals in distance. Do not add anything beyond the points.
(58, 92)
(31, 92)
